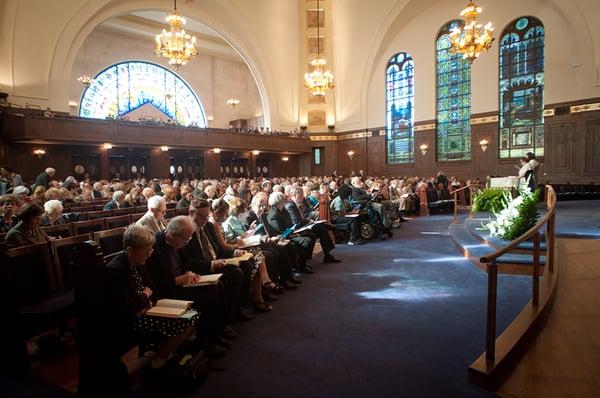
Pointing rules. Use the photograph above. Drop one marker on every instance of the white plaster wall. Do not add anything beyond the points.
(214, 79)
(569, 65)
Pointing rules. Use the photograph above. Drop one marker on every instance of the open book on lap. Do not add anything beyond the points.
(237, 260)
(206, 280)
(250, 241)
(169, 308)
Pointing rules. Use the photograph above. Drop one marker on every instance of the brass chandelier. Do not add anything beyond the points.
(473, 38)
(319, 80)
(176, 44)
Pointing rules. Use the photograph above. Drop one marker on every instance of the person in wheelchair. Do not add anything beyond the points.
(345, 218)
(365, 200)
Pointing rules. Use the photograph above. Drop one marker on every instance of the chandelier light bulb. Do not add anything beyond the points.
(85, 80)
(473, 38)
(175, 44)
(233, 102)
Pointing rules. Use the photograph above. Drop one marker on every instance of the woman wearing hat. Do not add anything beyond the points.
(27, 231)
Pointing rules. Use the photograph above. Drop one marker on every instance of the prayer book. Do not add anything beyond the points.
(206, 280)
(236, 260)
(308, 227)
(250, 241)
(169, 308)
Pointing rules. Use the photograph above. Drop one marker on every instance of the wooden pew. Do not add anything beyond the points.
(110, 241)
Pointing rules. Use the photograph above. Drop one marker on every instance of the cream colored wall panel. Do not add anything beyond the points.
(566, 56)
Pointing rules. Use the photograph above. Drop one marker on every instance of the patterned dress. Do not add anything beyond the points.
(154, 325)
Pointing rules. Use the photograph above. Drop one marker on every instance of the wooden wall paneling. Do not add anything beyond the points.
(560, 153)
(375, 156)
(212, 164)
(591, 150)
(358, 162)
(305, 163)
(425, 164)
(484, 163)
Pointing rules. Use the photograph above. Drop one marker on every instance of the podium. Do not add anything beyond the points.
(505, 182)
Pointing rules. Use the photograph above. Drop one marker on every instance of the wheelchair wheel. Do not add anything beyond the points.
(367, 231)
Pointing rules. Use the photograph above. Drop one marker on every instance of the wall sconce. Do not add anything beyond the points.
(255, 152)
(285, 158)
(39, 152)
(483, 144)
(350, 154)
(164, 148)
(424, 148)
(217, 150)
(107, 145)
(331, 127)
(303, 128)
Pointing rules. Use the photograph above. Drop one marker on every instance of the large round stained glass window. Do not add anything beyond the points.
(127, 86)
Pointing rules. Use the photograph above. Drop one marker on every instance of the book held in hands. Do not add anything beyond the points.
(236, 260)
(205, 280)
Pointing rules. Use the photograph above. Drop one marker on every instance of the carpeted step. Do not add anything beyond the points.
(476, 228)
(474, 248)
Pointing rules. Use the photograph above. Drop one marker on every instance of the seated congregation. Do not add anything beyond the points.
(104, 253)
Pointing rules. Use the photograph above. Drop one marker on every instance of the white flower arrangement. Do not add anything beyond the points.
(505, 218)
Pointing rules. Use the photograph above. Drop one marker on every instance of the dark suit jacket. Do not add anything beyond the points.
(42, 179)
(278, 220)
(96, 194)
(360, 195)
(111, 205)
(296, 214)
(192, 258)
(160, 267)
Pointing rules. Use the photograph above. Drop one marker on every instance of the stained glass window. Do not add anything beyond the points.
(453, 74)
(400, 99)
(127, 86)
(522, 88)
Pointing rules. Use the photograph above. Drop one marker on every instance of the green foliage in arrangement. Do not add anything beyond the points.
(493, 200)
(528, 216)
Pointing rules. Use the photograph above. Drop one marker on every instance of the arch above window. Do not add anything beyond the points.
(400, 111)
(521, 91)
(127, 86)
(453, 108)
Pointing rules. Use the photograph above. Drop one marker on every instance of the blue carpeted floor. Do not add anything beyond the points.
(400, 318)
(578, 219)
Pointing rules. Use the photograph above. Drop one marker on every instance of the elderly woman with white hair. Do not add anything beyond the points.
(53, 214)
(279, 220)
(154, 219)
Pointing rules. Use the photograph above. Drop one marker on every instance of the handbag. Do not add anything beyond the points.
(187, 371)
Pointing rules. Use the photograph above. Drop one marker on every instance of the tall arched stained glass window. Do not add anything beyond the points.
(125, 87)
(453, 75)
(400, 98)
(522, 88)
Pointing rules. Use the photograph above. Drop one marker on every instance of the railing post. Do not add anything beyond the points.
(550, 243)
(490, 340)
(470, 201)
(455, 207)
(536, 270)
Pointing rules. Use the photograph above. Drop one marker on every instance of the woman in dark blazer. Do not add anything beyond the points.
(131, 294)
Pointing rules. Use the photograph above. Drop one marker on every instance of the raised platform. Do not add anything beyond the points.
(474, 242)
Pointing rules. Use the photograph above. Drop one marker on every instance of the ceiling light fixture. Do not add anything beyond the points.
(319, 80)
(176, 44)
(473, 38)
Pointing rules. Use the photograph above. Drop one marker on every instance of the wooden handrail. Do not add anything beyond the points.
(461, 189)
(550, 201)
(484, 370)
(455, 193)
